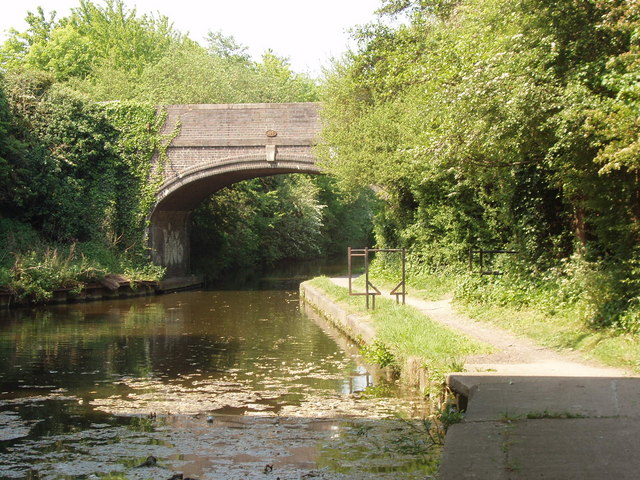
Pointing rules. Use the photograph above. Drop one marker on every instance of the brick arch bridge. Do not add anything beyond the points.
(218, 145)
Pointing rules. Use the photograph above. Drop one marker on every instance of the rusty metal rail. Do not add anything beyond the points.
(481, 259)
(370, 289)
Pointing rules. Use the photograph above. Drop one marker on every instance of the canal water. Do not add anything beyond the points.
(222, 383)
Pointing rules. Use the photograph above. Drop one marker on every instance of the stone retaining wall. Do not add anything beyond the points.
(357, 327)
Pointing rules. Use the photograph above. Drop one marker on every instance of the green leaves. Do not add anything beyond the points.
(93, 38)
(494, 123)
(110, 52)
(120, 37)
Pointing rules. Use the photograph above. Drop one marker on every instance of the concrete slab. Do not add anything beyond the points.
(474, 451)
(557, 449)
(500, 397)
(573, 449)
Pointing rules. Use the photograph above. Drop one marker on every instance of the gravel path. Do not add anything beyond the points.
(514, 355)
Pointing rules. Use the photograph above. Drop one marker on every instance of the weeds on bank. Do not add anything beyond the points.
(35, 274)
(378, 354)
(404, 332)
(507, 417)
(428, 434)
(554, 415)
(577, 305)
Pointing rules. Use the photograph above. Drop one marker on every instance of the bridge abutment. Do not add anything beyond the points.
(216, 146)
(170, 241)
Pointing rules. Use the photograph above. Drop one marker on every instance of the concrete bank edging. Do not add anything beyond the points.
(357, 327)
(360, 330)
(555, 427)
(113, 287)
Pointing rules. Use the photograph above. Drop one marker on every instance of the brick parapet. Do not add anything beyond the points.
(210, 133)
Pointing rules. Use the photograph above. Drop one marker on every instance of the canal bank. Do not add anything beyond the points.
(536, 413)
(109, 288)
(396, 336)
(234, 383)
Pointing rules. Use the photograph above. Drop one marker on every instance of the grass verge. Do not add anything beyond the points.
(404, 332)
(550, 323)
(540, 311)
(561, 330)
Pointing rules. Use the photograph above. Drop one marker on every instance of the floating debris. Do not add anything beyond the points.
(218, 400)
(151, 461)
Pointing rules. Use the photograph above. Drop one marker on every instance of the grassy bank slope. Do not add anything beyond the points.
(403, 333)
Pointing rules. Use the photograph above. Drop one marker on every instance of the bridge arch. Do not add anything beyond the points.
(219, 145)
(197, 183)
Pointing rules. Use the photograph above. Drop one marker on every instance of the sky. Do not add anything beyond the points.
(308, 33)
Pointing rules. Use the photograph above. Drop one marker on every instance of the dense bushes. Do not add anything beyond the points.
(75, 206)
(494, 123)
(82, 164)
(79, 125)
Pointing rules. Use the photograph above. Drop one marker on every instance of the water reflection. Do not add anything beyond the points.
(141, 376)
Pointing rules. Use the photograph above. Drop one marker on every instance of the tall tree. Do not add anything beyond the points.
(493, 122)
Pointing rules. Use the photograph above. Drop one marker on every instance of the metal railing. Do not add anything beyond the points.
(370, 288)
(482, 254)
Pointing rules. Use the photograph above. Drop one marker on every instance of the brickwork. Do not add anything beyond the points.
(241, 124)
(209, 133)
(184, 158)
(218, 145)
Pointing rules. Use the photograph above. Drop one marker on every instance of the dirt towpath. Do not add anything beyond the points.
(513, 354)
(533, 412)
